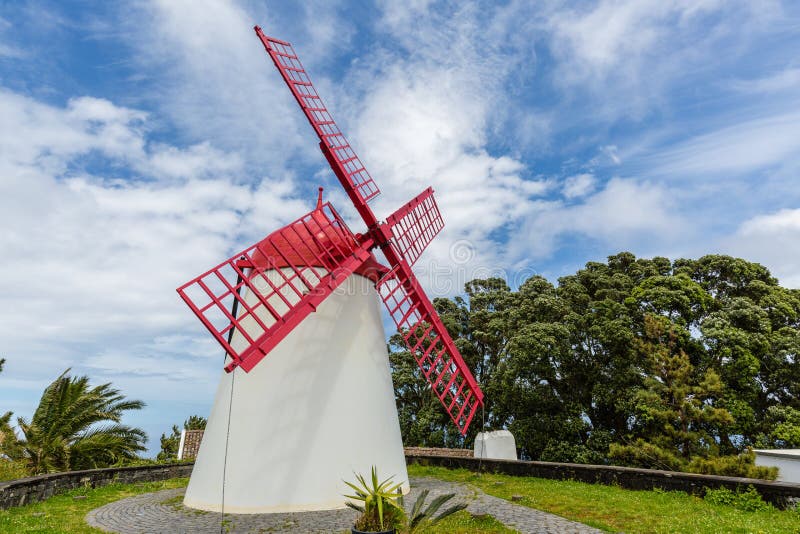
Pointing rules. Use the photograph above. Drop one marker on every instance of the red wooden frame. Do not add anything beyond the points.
(301, 264)
(415, 225)
(265, 291)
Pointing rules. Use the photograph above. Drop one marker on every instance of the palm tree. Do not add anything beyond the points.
(78, 427)
(7, 436)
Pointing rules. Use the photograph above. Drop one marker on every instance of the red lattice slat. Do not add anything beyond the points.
(415, 225)
(295, 76)
(432, 347)
(251, 301)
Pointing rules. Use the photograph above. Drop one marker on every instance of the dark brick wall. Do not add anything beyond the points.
(39, 488)
(781, 494)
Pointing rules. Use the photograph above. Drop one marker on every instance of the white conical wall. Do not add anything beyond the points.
(319, 407)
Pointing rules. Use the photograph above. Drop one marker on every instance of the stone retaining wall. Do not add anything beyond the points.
(438, 451)
(39, 488)
(781, 494)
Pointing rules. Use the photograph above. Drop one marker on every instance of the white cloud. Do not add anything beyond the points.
(578, 185)
(626, 54)
(788, 78)
(735, 149)
(772, 239)
(215, 80)
(7, 50)
(90, 264)
(625, 214)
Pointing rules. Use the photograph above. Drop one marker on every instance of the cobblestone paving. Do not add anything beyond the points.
(161, 512)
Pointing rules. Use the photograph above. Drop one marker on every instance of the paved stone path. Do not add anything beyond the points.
(162, 512)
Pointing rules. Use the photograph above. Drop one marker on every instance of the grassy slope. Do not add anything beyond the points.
(615, 509)
(65, 513)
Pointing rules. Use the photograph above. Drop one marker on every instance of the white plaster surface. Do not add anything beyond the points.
(495, 445)
(317, 408)
(786, 460)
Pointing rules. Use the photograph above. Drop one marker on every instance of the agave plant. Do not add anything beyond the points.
(380, 510)
(420, 518)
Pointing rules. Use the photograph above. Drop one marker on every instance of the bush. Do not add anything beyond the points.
(562, 451)
(646, 455)
(749, 500)
(10, 470)
(742, 465)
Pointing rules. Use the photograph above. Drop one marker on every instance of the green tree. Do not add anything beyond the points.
(675, 406)
(8, 439)
(170, 443)
(691, 361)
(76, 426)
(782, 428)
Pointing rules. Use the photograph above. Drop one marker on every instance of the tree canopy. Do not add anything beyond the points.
(75, 426)
(668, 364)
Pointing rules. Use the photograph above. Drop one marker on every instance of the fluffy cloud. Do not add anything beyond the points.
(625, 214)
(91, 263)
(627, 55)
(422, 116)
(578, 185)
(772, 239)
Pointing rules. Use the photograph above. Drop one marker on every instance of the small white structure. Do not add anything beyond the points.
(495, 445)
(786, 460)
(320, 406)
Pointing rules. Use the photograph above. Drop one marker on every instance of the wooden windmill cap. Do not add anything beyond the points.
(311, 242)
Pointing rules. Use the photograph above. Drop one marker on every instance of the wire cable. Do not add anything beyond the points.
(225, 459)
(234, 311)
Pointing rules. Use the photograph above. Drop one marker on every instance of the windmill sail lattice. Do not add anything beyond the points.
(293, 73)
(432, 347)
(415, 225)
(290, 272)
(295, 269)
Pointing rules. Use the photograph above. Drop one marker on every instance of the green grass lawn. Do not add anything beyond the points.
(619, 510)
(465, 523)
(65, 513)
(606, 507)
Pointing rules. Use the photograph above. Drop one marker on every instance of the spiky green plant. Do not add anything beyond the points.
(380, 509)
(420, 518)
(77, 426)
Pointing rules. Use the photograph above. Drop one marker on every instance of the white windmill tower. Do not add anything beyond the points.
(306, 397)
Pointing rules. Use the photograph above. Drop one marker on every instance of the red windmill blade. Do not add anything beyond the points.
(266, 290)
(272, 286)
(402, 238)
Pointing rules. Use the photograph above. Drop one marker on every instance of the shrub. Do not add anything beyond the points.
(748, 500)
(742, 465)
(10, 470)
(644, 454)
(562, 451)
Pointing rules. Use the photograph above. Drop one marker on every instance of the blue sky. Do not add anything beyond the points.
(141, 144)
